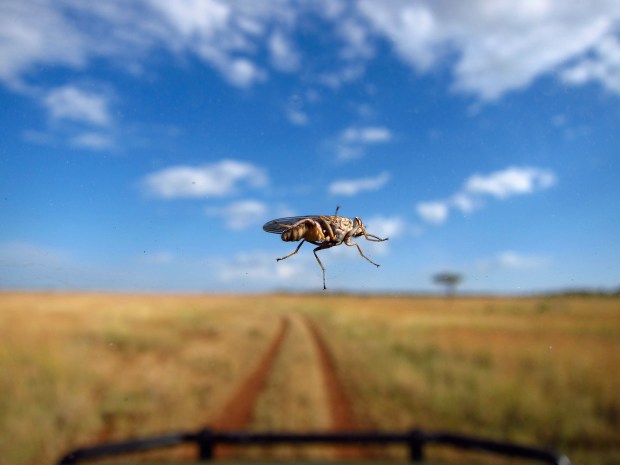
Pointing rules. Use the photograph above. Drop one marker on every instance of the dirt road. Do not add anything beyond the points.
(294, 387)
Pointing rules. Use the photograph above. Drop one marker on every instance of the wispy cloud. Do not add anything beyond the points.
(295, 108)
(242, 214)
(335, 79)
(72, 103)
(385, 226)
(297, 117)
(511, 260)
(499, 184)
(366, 135)
(351, 187)
(352, 141)
(283, 55)
(261, 267)
(498, 46)
(217, 179)
(602, 65)
(92, 141)
(433, 212)
(222, 34)
(501, 46)
(36, 33)
(509, 182)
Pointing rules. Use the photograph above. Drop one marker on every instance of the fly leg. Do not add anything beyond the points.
(321, 247)
(350, 244)
(373, 238)
(292, 253)
(328, 231)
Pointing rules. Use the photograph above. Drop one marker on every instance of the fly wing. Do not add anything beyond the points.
(280, 225)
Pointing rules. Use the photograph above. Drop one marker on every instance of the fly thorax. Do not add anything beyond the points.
(341, 226)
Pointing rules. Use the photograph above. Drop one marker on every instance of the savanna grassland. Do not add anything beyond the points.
(79, 369)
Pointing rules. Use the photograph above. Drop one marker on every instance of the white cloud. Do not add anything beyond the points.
(499, 184)
(366, 135)
(509, 182)
(433, 212)
(384, 226)
(240, 72)
(500, 46)
(350, 187)
(70, 102)
(242, 214)
(295, 107)
(603, 66)
(510, 260)
(36, 33)
(356, 36)
(297, 117)
(346, 152)
(283, 55)
(226, 35)
(464, 202)
(191, 18)
(352, 141)
(92, 140)
(263, 268)
(494, 47)
(217, 179)
(335, 79)
(411, 27)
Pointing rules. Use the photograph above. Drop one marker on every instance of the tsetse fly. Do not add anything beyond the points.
(322, 231)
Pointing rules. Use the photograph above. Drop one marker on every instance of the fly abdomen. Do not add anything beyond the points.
(293, 234)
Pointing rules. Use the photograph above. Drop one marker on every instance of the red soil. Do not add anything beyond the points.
(237, 413)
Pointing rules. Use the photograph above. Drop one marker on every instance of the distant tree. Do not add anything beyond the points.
(449, 280)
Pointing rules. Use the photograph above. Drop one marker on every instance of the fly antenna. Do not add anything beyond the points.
(337, 208)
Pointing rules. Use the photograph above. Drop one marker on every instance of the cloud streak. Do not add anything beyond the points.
(352, 142)
(242, 214)
(498, 46)
(511, 260)
(73, 103)
(261, 268)
(352, 187)
(499, 184)
(217, 180)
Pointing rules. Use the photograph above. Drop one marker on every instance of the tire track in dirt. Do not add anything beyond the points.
(342, 414)
(238, 412)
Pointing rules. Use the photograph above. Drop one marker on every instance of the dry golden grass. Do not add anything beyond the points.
(540, 371)
(76, 369)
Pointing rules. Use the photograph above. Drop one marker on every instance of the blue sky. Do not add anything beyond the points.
(145, 143)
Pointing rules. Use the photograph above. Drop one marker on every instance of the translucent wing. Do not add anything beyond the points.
(280, 225)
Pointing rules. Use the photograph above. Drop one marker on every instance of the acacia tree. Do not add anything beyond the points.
(448, 279)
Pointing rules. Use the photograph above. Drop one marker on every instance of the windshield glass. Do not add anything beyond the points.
(418, 198)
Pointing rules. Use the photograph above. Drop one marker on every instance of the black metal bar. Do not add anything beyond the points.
(501, 448)
(358, 437)
(125, 447)
(415, 439)
(206, 444)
